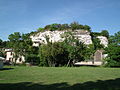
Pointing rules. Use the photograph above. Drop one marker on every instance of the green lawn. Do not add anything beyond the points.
(61, 78)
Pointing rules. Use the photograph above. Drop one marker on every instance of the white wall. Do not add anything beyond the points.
(9, 55)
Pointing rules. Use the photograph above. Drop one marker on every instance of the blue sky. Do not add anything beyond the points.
(27, 15)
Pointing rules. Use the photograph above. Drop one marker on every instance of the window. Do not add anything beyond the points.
(11, 53)
(20, 60)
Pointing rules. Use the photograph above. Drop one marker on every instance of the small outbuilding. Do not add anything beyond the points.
(1, 62)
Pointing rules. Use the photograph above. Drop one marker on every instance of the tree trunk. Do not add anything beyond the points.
(68, 63)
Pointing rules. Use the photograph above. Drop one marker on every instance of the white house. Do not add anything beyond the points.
(10, 57)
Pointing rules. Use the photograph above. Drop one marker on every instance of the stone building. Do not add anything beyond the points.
(97, 61)
(10, 57)
(98, 57)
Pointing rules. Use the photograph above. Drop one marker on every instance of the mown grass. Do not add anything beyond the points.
(63, 78)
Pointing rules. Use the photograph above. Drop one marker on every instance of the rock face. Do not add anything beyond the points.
(40, 38)
(55, 36)
(83, 36)
(103, 40)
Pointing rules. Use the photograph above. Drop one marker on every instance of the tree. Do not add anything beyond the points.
(15, 44)
(89, 52)
(64, 27)
(86, 27)
(113, 58)
(14, 37)
(97, 44)
(1, 42)
(1, 46)
(52, 27)
(40, 29)
(47, 27)
(52, 54)
(62, 53)
(32, 56)
(74, 47)
(74, 25)
(115, 39)
(105, 33)
(113, 51)
(22, 46)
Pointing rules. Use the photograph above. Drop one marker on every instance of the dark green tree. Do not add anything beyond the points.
(22, 46)
(115, 39)
(74, 47)
(40, 29)
(88, 28)
(74, 25)
(15, 44)
(96, 43)
(113, 51)
(1, 46)
(64, 27)
(52, 54)
(105, 33)
(113, 58)
(1, 42)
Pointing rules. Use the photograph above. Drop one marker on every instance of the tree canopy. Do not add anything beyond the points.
(63, 53)
(60, 27)
(113, 50)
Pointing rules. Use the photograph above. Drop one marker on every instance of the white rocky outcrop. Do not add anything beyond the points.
(103, 40)
(83, 36)
(55, 36)
(40, 38)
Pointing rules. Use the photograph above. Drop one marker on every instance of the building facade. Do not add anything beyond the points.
(10, 57)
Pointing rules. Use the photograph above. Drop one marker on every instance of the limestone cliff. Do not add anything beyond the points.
(55, 36)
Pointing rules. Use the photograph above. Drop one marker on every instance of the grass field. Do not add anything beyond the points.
(61, 78)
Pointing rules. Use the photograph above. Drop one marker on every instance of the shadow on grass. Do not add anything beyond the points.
(98, 85)
(6, 69)
(86, 65)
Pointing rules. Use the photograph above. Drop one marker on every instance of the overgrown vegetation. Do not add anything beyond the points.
(113, 51)
(61, 27)
(102, 33)
(64, 53)
(3, 44)
(22, 46)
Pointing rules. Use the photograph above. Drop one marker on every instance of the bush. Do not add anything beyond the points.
(111, 63)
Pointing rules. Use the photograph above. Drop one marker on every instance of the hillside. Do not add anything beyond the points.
(56, 36)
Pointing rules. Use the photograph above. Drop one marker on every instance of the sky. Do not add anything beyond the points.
(25, 16)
